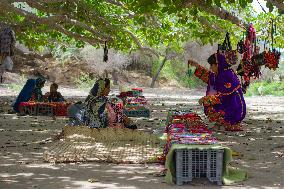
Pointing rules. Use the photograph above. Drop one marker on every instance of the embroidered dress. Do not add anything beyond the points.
(227, 105)
(7, 42)
(96, 113)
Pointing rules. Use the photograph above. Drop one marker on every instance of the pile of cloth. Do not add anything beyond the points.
(186, 127)
(117, 105)
(134, 101)
(134, 92)
(186, 130)
(33, 108)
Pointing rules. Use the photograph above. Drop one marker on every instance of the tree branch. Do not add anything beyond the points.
(51, 22)
(64, 18)
(140, 46)
(277, 3)
(220, 12)
(205, 22)
(32, 55)
(115, 3)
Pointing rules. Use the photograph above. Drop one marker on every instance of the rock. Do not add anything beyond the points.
(92, 180)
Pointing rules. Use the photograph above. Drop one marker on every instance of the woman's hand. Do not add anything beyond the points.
(201, 101)
(126, 120)
(193, 63)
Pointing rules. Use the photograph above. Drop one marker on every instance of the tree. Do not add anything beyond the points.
(127, 24)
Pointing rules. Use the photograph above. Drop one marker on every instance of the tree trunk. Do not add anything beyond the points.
(155, 77)
(106, 74)
(114, 77)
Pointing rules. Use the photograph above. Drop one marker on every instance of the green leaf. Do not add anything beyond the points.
(209, 2)
(218, 3)
(269, 6)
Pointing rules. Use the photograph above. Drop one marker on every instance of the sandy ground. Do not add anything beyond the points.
(24, 139)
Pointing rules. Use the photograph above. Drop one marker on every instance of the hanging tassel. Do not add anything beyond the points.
(189, 71)
(272, 33)
(105, 53)
(229, 46)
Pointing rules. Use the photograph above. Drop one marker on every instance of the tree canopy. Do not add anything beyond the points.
(131, 24)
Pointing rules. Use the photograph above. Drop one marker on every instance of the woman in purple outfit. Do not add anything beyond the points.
(224, 102)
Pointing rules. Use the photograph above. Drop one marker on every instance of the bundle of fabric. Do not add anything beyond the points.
(271, 59)
(32, 108)
(175, 112)
(60, 108)
(179, 133)
(123, 95)
(189, 138)
(134, 92)
(29, 108)
(135, 102)
(252, 59)
(117, 105)
(136, 106)
(186, 127)
(176, 128)
(104, 145)
(137, 91)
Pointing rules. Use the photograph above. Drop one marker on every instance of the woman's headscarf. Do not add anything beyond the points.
(222, 63)
(40, 81)
(226, 80)
(25, 94)
(98, 87)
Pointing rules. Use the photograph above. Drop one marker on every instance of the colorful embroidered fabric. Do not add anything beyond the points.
(271, 59)
(211, 100)
(135, 92)
(135, 103)
(189, 130)
(59, 108)
(231, 57)
(117, 106)
(202, 73)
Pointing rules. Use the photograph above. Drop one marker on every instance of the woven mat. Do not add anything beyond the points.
(104, 145)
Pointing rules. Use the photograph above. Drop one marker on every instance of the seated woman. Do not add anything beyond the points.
(37, 95)
(224, 102)
(98, 112)
(30, 91)
(54, 95)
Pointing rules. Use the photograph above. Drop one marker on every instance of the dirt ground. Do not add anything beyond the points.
(24, 139)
